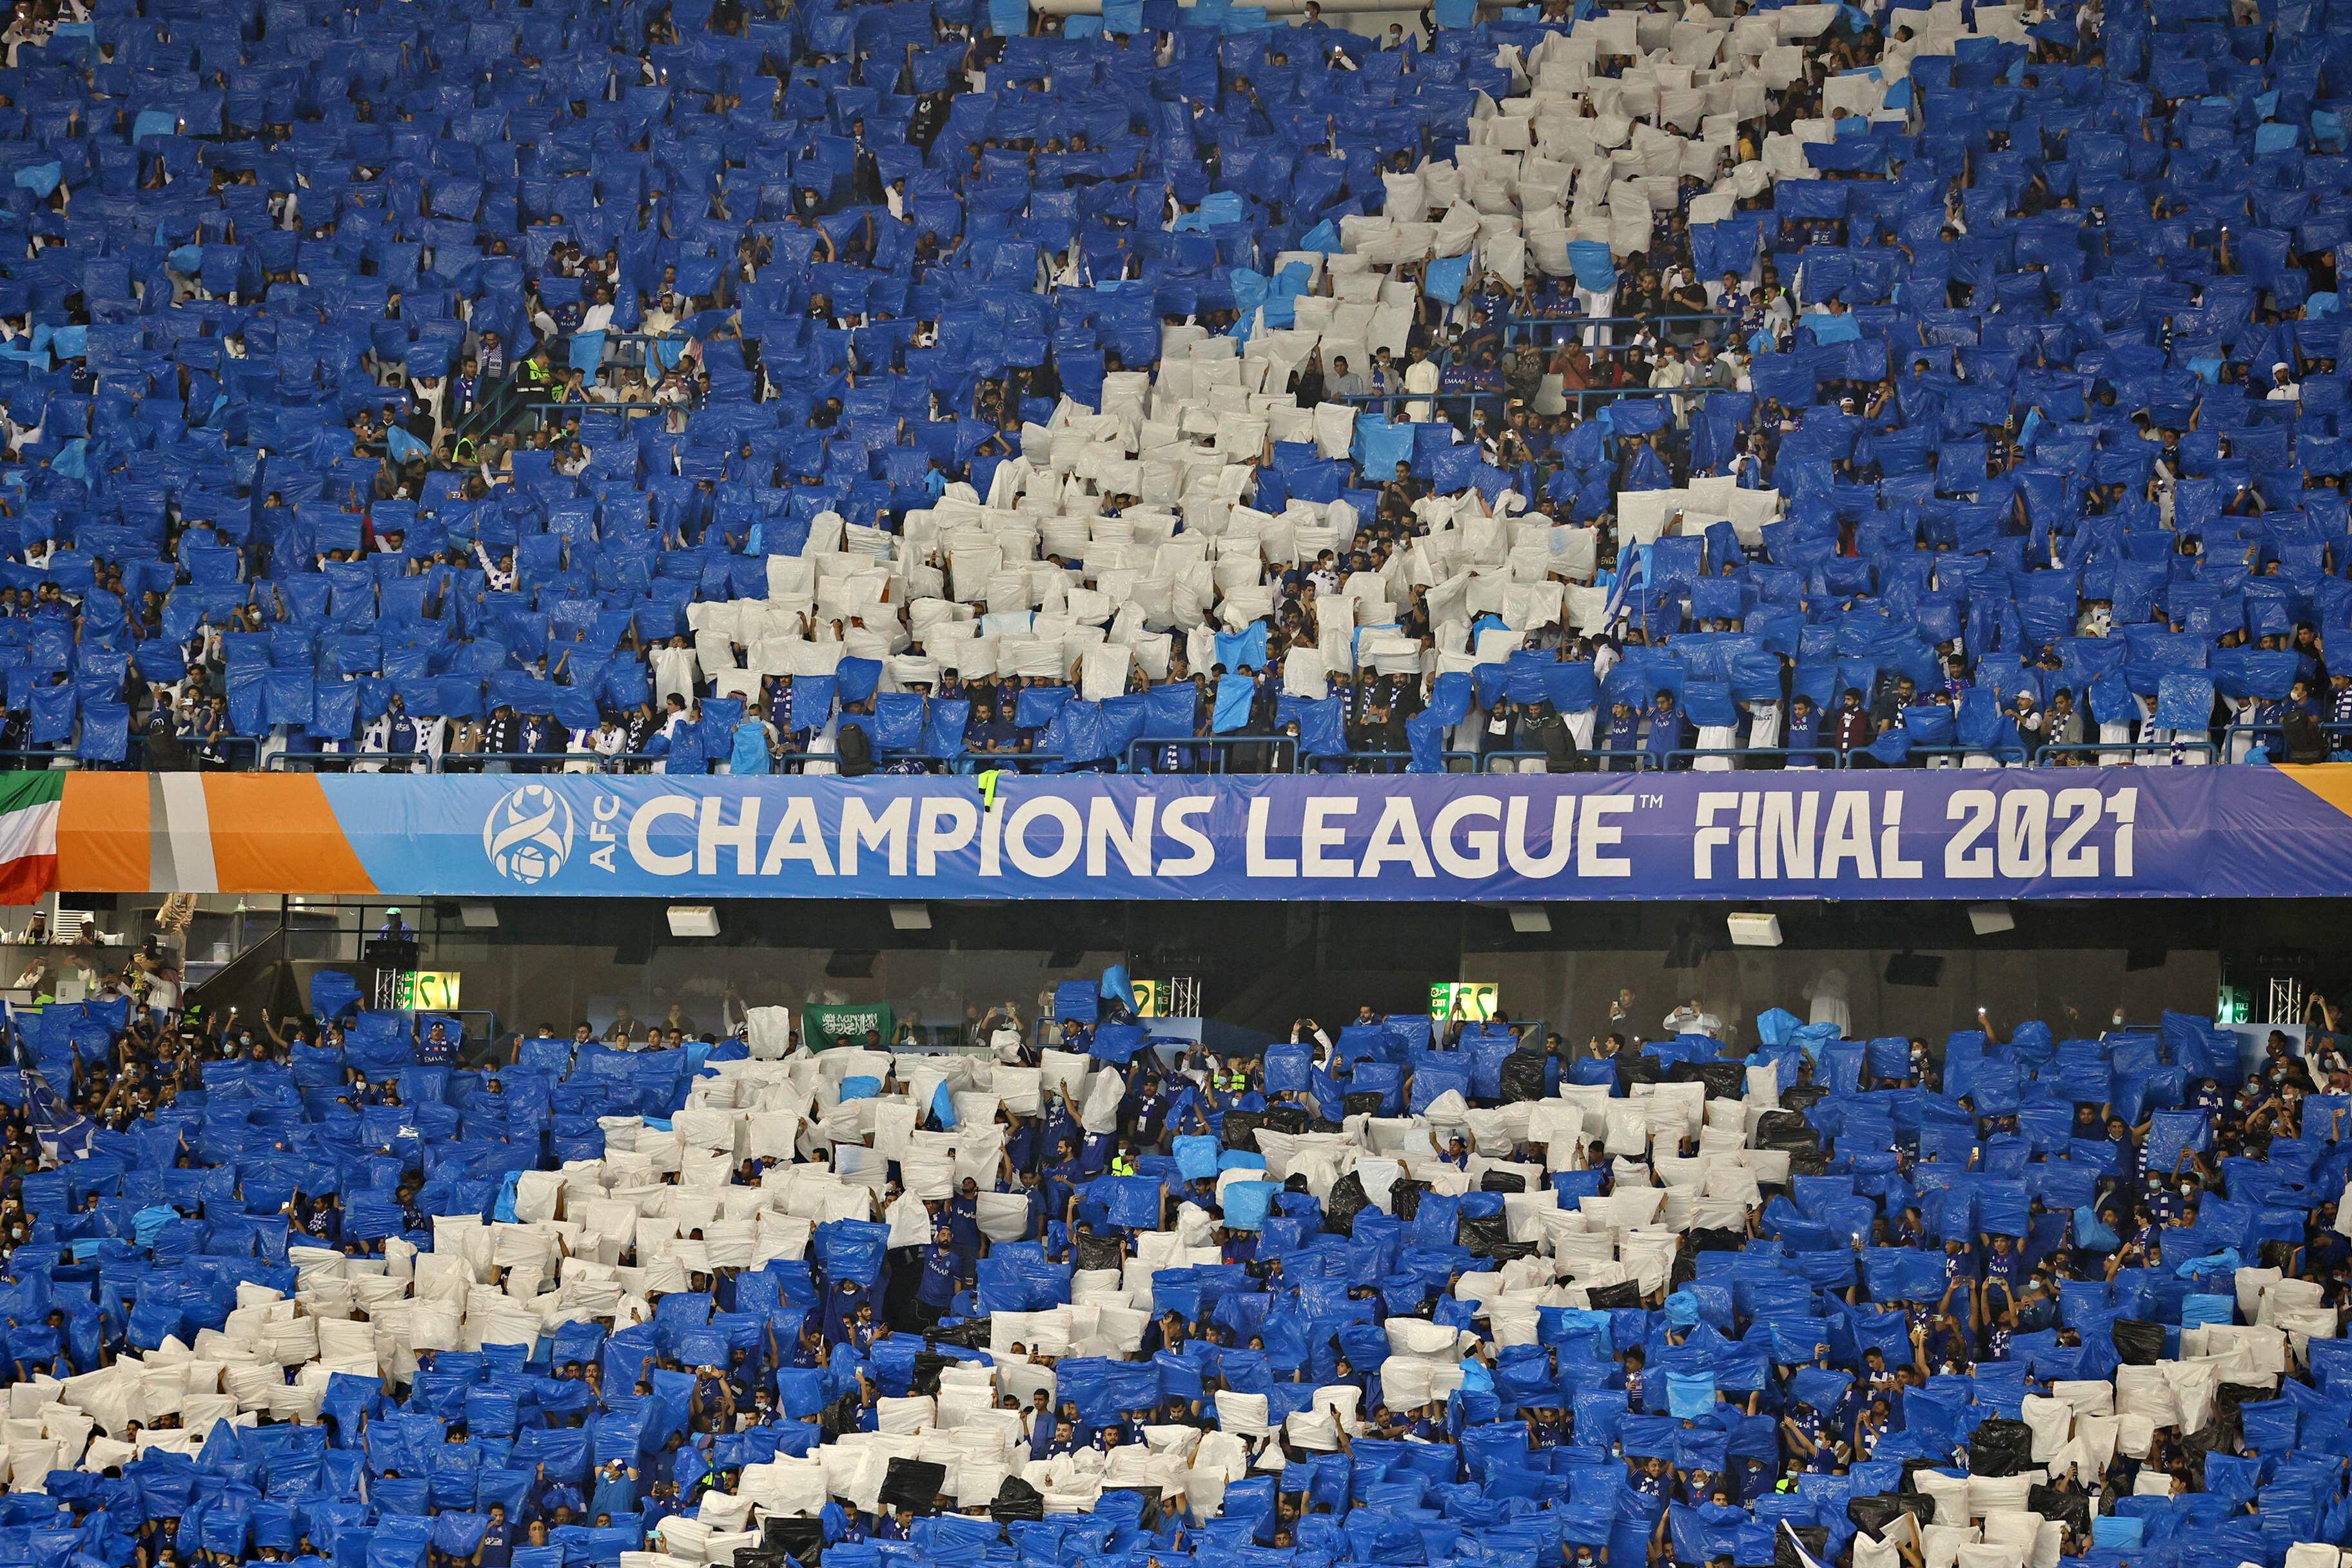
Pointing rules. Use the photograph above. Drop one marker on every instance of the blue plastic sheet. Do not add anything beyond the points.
(1246, 1203)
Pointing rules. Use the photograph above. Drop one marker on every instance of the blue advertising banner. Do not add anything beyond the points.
(2248, 832)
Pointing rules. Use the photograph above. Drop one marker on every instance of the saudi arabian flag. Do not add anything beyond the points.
(28, 834)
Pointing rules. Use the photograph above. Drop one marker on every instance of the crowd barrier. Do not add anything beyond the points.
(1278, 752)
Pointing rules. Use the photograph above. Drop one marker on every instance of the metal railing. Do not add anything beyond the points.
(29, 759)
(1007, 761)
(1371, 762)
(1546, 329)
(1505, 759)
(1282, 756)
(2272, 737)
(575, 405)
(2005, 754)
(1283, 753)
(350, 761)
(532, 761)
(1737, 755)
(2175, 750)
(1582, 394)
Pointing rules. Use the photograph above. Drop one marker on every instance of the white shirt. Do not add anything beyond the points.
(501, 578)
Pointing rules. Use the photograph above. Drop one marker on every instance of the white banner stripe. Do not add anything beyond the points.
(188, 830)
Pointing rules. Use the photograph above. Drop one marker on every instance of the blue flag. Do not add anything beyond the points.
(62, 1133)
(1233, 695)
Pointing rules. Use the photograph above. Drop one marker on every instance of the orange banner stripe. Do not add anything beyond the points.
(103, 828)
(275, 833)
(2331, 781)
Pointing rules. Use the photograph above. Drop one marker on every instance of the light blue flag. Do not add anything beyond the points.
(1233, 712)
(1245, 646)
(1245, 1203)
(1196, 1157)
(1594, 268)
(1116, 986)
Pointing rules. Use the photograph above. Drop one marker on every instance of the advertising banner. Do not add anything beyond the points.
(2235, 832)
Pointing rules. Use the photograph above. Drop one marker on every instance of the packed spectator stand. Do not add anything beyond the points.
(1390, 1292)
(635, 387)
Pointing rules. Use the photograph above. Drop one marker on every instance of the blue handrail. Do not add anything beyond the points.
(1582, 393)
(1836, 759)
(1287, 754)
(346, 762)
(2273, 735)
(1219, 748)
(2007, 754)
(2174, 749)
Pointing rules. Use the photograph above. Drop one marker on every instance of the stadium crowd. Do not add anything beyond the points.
(694, 386)
(360, 1290)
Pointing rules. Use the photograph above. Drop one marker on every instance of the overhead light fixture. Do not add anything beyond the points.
(910, 917)
(1991, 920)
(693, 919)
(1754, 930)
(1530, 920)
(478, 914)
